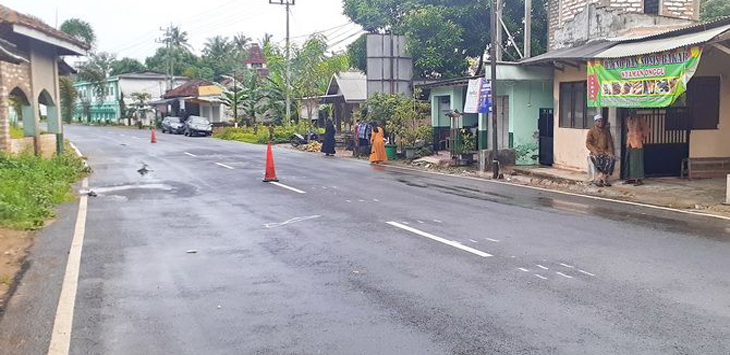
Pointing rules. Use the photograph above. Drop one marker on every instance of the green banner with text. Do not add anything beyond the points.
(651, 81)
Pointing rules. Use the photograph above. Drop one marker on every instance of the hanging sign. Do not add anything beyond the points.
(478, 96)
(650, 81)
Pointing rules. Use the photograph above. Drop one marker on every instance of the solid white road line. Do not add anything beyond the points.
(75, 148)
(190, 154)
(586, 272)
(492, 240)
(439, 239)
(568, 266)
(540, 276)
(224, 165)
(288, 187)
(542, 267)
(564, 275)
(63, 322)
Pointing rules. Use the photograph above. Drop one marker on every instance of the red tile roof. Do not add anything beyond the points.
(189, 89)
(255, 55)
(8, 15)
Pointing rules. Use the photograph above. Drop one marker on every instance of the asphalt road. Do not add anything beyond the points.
(368, 260)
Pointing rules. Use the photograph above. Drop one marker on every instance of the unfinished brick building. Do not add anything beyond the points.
(614, 16)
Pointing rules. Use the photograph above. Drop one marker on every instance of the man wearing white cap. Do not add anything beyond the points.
(600, 143)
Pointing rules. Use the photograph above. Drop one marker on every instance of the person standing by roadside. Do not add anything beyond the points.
(328, 146)
(356, 139)
(600, 144)
(637, 132)
(364, 135)
(377, 154)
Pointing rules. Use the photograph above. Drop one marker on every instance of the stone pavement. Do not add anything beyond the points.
(705, 195)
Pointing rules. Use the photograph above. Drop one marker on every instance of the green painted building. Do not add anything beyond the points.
(89, 107)
(521, 93)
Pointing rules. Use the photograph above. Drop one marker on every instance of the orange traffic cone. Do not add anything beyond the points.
(153, 137)
(270, 170)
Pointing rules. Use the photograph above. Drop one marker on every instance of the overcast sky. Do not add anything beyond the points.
(129, 27)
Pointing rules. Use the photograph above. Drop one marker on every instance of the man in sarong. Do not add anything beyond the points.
(600, 144)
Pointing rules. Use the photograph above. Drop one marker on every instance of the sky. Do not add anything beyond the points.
(130, 28)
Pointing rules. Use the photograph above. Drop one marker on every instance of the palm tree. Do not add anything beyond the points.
(266, 39)
(241, 41)
(177, 38)
(80, 30)
(96, 71)
(217, 47)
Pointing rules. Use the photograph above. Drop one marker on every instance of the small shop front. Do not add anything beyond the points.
(674, 82)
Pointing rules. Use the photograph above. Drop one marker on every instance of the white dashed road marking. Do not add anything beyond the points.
(568, 266)
(564, 275)
(473, 241)
(190, 154)
(540, 276)
(439, 239)
(492, 240)
(542, 267)
(288, 187)
(523, 269)
(586, 273)
(224, 165)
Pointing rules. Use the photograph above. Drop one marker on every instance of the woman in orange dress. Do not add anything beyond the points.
(377, 153)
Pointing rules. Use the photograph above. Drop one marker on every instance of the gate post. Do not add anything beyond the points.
(727, 191)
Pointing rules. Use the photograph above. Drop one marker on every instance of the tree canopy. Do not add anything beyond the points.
(442, 34)
(80, 30)
(714, 10)
(126, 66)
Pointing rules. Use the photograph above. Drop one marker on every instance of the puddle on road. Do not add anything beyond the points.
(142, 191)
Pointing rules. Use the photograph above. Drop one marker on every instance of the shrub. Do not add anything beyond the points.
(260, 134)
(31, 187)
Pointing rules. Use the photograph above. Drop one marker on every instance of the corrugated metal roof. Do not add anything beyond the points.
(353, 85)
(642, 47)
(585, 51)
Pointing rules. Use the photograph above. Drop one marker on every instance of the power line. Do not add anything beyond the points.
(359, 32)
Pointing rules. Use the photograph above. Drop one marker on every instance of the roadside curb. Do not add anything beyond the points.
(543, 189)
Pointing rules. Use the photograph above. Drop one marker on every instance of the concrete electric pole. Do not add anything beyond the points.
(493, 64)
(528, 28)
(287, 78)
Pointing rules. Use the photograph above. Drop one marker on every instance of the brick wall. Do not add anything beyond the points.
(11, 76)
(680, 8)
(562, 11)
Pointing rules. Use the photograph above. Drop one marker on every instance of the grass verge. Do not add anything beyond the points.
(282, 134)
(31, 187)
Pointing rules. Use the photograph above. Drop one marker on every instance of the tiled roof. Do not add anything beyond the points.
(255, 55)
(189, 89)
(8, 15)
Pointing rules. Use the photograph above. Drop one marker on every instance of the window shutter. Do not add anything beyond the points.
(703, 101)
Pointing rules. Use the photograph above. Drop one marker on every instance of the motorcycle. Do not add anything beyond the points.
(298, 139)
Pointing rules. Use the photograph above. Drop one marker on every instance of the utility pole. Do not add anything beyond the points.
(497, 30)
(287, 78)
(166, 39)
(493, 50)
(528, 29)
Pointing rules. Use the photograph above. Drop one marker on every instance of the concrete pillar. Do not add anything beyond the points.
(483, 131)
(4, 124)
(29, 120)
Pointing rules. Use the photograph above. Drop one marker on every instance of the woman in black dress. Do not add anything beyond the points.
(328, 146)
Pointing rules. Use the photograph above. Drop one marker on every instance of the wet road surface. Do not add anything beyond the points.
(198, 256)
